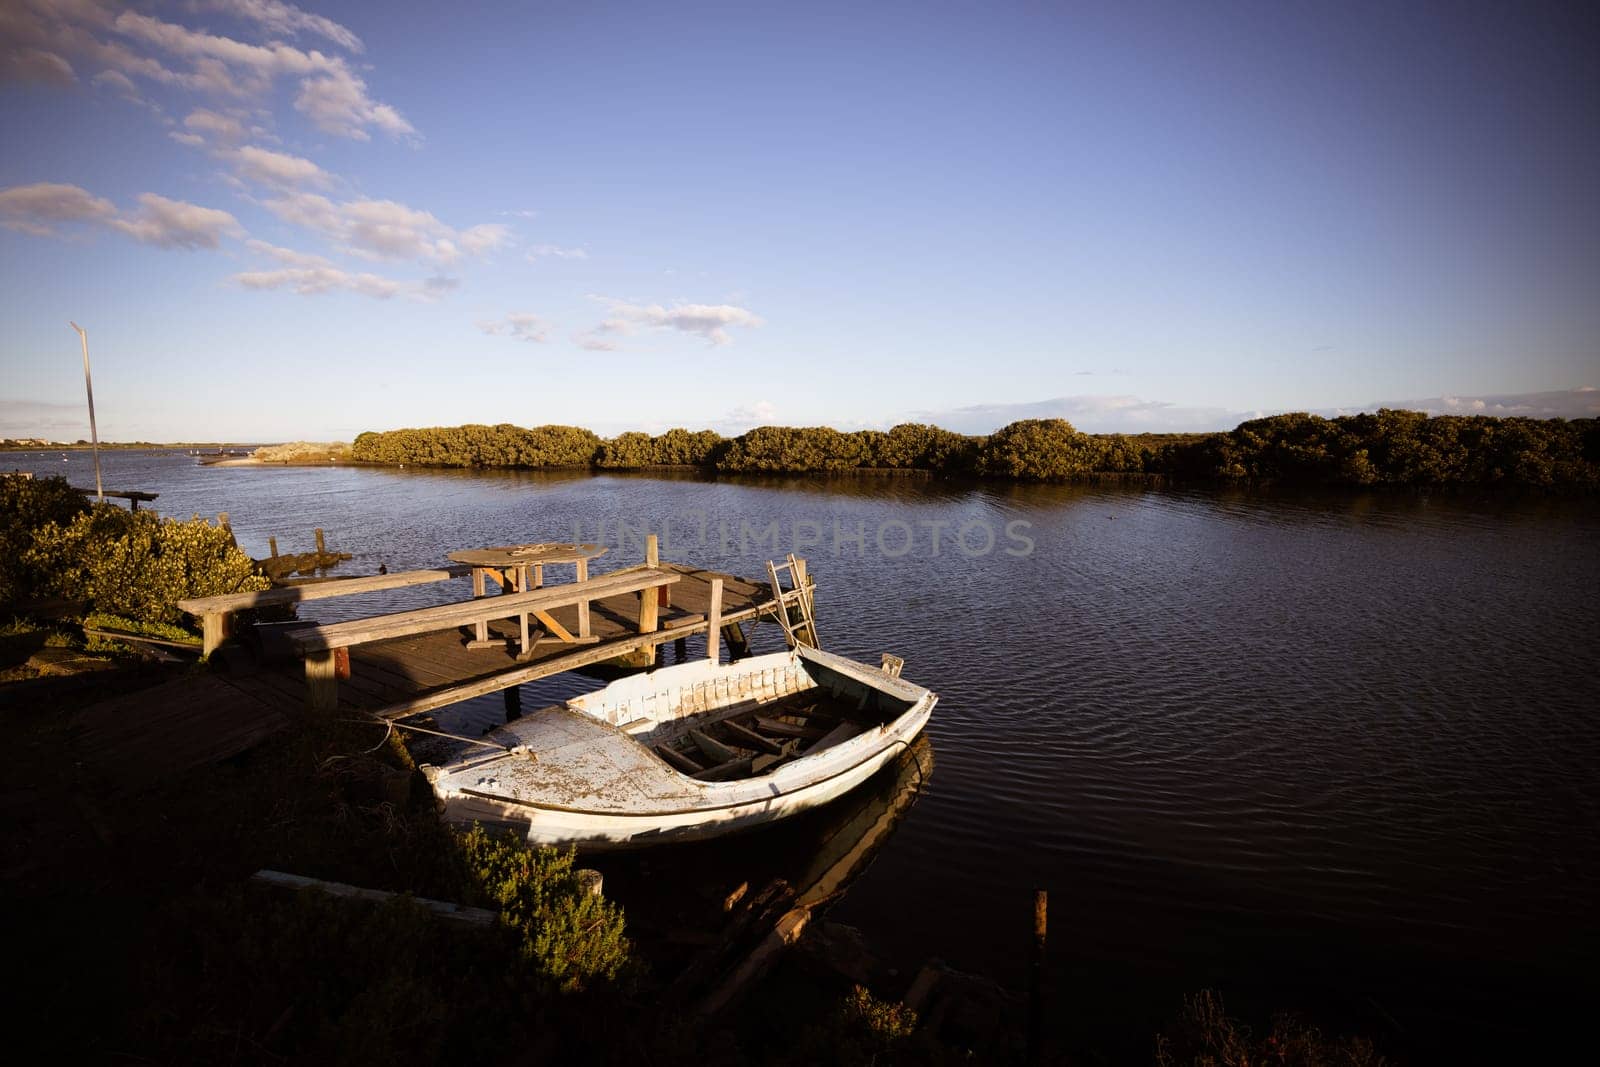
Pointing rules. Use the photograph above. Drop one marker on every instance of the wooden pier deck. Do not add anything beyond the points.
(152, 735)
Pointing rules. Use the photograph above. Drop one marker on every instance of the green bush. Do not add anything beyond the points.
(628, 451)
(1038, 450)
(138, 565)
(573, 938)
(26, 505)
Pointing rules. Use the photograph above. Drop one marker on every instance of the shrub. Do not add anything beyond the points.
(1038, 450)
(26, 505)
(136, 564)
(628, 451)
(572, 937)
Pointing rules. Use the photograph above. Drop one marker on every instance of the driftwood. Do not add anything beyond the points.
(446, 910)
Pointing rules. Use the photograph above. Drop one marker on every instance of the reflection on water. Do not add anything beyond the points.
(1317, 748)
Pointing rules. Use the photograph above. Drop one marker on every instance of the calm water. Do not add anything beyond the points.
(1336, 752)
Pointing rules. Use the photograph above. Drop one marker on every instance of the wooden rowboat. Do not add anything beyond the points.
(688, 752)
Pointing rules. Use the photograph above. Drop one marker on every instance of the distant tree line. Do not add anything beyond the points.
(1386, 448)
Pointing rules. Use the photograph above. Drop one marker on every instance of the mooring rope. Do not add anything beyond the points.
(392, 725)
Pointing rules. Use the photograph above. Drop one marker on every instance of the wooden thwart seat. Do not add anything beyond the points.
(319, 643)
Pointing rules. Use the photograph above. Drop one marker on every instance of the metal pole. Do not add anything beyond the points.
(94, 434)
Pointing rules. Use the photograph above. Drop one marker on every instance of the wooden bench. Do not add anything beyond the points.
(318, 644)
(216, 612)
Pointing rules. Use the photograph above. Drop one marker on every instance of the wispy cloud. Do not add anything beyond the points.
(710, 321)
(279, 169)
(519, 325)
(288, 20)
(537, 252)
(1093, 414)
(309, 274)
(44, 207)
(214, 126)
(1580, 403)
(1131, 414)
(47, 40)
(760, 413)
(177, 224)
(40, 418)
(384, 229)
(36, 65)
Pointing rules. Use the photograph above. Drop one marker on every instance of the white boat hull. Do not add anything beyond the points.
(580, 777)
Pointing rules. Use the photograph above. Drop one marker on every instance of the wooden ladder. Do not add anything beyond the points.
(805, 632)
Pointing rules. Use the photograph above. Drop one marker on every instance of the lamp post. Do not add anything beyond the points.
(94, 434)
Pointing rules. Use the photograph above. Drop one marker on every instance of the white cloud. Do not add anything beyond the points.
(42, 207)
(275, 168)
(484, 237)
(215, 126)
(384, 229)
(519, 325)
(119, 83)
(278, 17)
(761, 413)
(39, 208)
(706, 320)
(1580, 403)
(287, 255)
(557, 252)
(129, 42)
(312, 275)
(311, 281)
(36, 65)
(177, 224)
(594, 341)
(1090, 413)
(337, 102)
(524, 213)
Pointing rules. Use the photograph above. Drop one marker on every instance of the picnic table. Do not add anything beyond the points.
(520, 569)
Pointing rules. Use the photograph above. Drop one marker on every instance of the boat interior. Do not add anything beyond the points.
(751, 737)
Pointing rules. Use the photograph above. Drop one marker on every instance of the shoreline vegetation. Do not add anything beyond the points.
(1406, 448)
(1386, 448)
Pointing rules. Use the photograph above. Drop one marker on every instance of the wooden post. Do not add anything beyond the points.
(322, 681)
(213, 629)
(1041, 900)
(482, 632)
(714, 623)
(650, 599)
(513, 697)
(321, 547)
(652, 558)
(680, 650)
(272, 546)
(583, 605)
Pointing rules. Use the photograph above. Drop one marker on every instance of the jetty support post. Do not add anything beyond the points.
(650, 599)
(322, 680)
(322, 548)
(714, 620)
(1041, 901)
(214, 627)
(272, 546)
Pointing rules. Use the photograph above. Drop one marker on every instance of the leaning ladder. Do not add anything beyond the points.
(804, 632)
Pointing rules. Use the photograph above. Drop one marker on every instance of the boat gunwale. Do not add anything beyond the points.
(713, 787)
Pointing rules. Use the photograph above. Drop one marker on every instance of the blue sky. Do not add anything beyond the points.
(303, 222)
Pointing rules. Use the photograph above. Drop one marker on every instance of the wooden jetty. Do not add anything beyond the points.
(394, 665)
